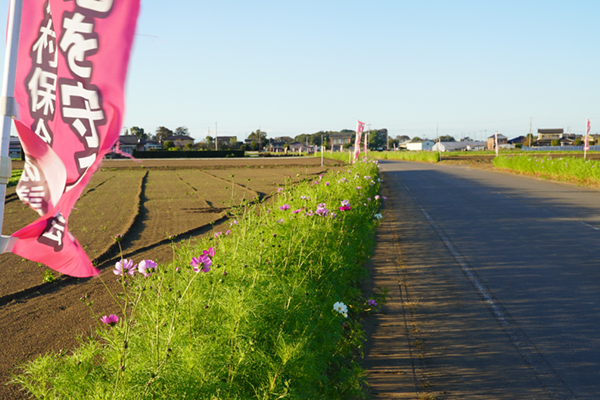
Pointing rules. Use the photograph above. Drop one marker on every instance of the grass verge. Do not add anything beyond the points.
(269, 309)
(559, 168)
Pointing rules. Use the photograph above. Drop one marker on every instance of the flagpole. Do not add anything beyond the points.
(8, 106)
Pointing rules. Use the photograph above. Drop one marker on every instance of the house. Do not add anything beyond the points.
(180, 140)
(14, 147)
(296, 147)
(550, 134)
(518, 139)
(152, 145)
(459, 146)
(226, 140)
(419, 145)
(129, 143)
(402, 144)
(492, 139)
(340, 139)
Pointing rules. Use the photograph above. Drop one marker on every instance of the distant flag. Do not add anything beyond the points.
(366, 142)
(359, 129)
(72, 63)
(586, 146)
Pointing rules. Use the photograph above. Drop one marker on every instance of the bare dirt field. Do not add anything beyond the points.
(146, 202)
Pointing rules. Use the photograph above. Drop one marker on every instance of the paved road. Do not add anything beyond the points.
(515, 313)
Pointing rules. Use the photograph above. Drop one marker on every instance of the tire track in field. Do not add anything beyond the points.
(112, 249)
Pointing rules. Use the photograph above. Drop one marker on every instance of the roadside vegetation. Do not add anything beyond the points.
(269, 308)
(556, 167)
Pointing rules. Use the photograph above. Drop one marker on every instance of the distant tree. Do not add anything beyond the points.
(528, 140)
(188, 147)
(210, 141)
(167, 144)
(447, 138)
(416, 138)
(253, 145)
(377, 138)
(163, 132)
(555, 142)
(139, 132)
(259, 137)
(578, 142)
(182, 131)
(233, 141)
(402, 138)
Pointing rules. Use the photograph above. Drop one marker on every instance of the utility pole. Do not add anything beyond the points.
(530, 130)
(216, 138)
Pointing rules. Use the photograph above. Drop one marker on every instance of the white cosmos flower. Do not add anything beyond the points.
(341, 308)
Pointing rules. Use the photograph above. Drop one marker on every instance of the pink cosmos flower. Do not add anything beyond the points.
(358, 187)
(111, 319)
(280, 221)
(326, 183)
(146, 267)
(210, 252)
(297, 211)
(227, 232)
(217, 234)
(279, 190)
(123, 267)
(376, 197)
(201, 263)
(284, 207)
(345, 205)
(322, 210)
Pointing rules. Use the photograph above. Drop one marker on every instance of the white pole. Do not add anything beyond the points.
(216, 137)
(8, 107)
(322, 149)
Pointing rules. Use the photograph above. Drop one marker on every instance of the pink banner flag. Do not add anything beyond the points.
(365, 143)
(496, 142)
(359, 129)
(587, 135)
(72, 64)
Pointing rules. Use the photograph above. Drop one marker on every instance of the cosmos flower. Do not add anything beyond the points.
(341, 308)
(123, 267)
(146, 267)
(284, 207)
(111, 319)
(201, 263)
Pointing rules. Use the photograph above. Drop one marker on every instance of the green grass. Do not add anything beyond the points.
(420, 156)
(14, 178)
(259, 325)
(556, 167)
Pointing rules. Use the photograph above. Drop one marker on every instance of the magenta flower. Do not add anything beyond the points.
(358, 187)
(376, 197)
(345, 205)
(227, 232)
(201, 263)
(123, 267)
(284, 207)
(217, 235)
(146, 267)
(326, 183)
(111, 319)
(279, 190)
(297, 211)
(210, 252)
(333, 215)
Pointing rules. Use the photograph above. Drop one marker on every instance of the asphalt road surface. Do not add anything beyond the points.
(521, 293)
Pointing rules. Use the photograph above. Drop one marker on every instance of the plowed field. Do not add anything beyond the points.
(145, 202)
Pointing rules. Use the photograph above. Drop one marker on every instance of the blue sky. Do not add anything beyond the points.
(291, 67)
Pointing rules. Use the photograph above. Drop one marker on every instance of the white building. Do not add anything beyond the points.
(459, 146)
(419, 145)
